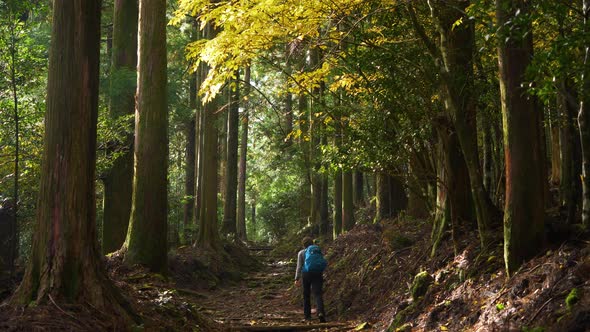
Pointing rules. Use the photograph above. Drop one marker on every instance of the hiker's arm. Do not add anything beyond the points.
(299, 265)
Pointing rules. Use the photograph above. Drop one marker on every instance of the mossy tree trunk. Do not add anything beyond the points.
(118, 181)
(454, 203)
(65, 264)
(146, 242)
(524, 210)
(456, 52)
(231, 177)
(241, 223)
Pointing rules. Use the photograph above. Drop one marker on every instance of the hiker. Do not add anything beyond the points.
(310, 267)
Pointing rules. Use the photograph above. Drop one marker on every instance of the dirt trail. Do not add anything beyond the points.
(260, 301)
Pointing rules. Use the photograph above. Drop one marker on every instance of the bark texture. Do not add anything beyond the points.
(146, 242)
(524, 210)
(118, 182)
(65, 264)
(241, 223)
(231, 177)
(208, 236)
(456, 50)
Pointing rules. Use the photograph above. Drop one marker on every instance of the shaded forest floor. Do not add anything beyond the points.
(368, 286)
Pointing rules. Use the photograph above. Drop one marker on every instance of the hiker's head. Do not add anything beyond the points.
(307, 241)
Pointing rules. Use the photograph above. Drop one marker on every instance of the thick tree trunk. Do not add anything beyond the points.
(231, 178)
(241, 224)
(146, 242)
(208, 236)
(65, 263)
(456, 48)
(524, 211)
(118, 182)
(584, 121)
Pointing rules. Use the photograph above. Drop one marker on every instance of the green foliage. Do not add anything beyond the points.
(572, 298)
(533, 329)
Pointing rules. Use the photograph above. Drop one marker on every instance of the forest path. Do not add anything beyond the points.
(260, 302)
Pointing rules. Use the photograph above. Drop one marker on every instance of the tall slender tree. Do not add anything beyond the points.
(241, 218)
(118, 181)
(146, 241)
(584, 119)
(65, 263)
(231, 176)
(524, 210)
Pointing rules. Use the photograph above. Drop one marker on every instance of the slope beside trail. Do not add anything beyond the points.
(260, 302)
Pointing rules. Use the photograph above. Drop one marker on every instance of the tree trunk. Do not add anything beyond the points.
(570, 156)
(289, 119)
(231, 178)
(305, 147)
(454, 199)
(357, 184)
(118, 182)
(524, 211)
(208, 234)
(456, 48)
(146, 242)
(199, 153)
(487, 158)
(383, 209)
(189, 171)
(584, 121)
(555, 146)
(241, 226)
(14, 231)
(337, 223)
(65, 263)
(347, 203)
(397, 196)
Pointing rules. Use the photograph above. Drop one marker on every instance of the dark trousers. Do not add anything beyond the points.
(312, 281)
